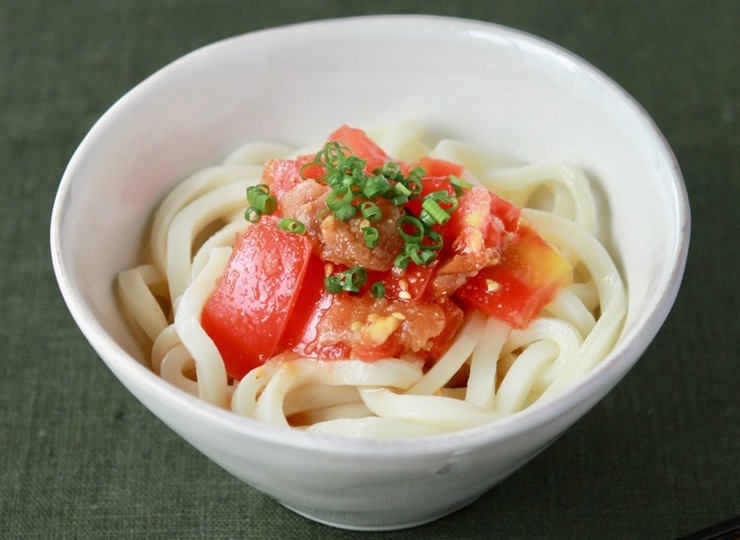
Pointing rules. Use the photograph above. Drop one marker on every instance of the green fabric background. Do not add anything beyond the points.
(81, 458)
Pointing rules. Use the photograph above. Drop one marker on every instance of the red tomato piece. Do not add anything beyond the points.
(362, 146)
(508, 213)
(301, 333)
(453, 321)
(247, 312)
(414, 281)
(369, 352)
(471, 222)
(439, 168)
(529, 276)
(381, 328)
(282, 175)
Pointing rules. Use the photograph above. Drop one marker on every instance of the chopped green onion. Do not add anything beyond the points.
(332, 284)
(307, 167)
(427, 219)
(417, 173)
(259, 197)
(252, 215)
(390, 170)
(357, 277)
(269, 205)
(339, 198)
(371, 211)
(291, 226)
(417, 229)
(350, 280)
(256, 190)
(399, 200)
(402, 261)
(375, 186)
(437, 213)
(334, 177)
(348, 181)
(421, 256)
(435, 240)
(458, 184)
(378, 289)
(371, 236)
(414, 185)
(346, 212)
(441, 196)
(333, 154)
(402, 189)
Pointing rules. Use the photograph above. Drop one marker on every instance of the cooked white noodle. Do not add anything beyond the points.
(507, 370)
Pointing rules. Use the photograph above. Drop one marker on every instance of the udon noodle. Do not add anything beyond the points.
(508, 370)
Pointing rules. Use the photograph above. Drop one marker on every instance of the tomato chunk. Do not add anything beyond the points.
(508, 213)
(313, 302)
(247, 312)
(529, 276)
(410, 284)
(453, 321)
(362, 146)
(439, 168)
(282, 175)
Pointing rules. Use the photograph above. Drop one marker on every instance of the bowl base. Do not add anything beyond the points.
(375, 523)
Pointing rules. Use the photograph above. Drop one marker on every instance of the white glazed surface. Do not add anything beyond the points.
(478, 82)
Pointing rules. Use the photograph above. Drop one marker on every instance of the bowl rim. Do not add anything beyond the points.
(614, 367)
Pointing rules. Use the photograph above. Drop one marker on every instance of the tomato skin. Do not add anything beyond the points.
(248, 310)
(529, 276)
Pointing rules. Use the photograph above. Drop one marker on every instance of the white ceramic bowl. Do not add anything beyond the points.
(478, 82)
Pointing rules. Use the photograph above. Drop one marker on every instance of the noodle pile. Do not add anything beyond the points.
(503, 370)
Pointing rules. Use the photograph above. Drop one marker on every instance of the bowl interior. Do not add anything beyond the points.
(481, 83)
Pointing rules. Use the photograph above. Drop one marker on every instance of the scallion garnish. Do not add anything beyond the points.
(291, 226)
(402, 189)
(332, 284)
(434, 240)
(259, 197)
(402, 260)
(353, 190)
(434, 211)
(260, 202)
(378, 289)
(458, 184)
(371, 237)
(420, 255)
(350, 280)
(344, 174)
(252, 215)
(376, 186)
(338, 198)
(410, 229)
(346, 212)
(371, 211)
